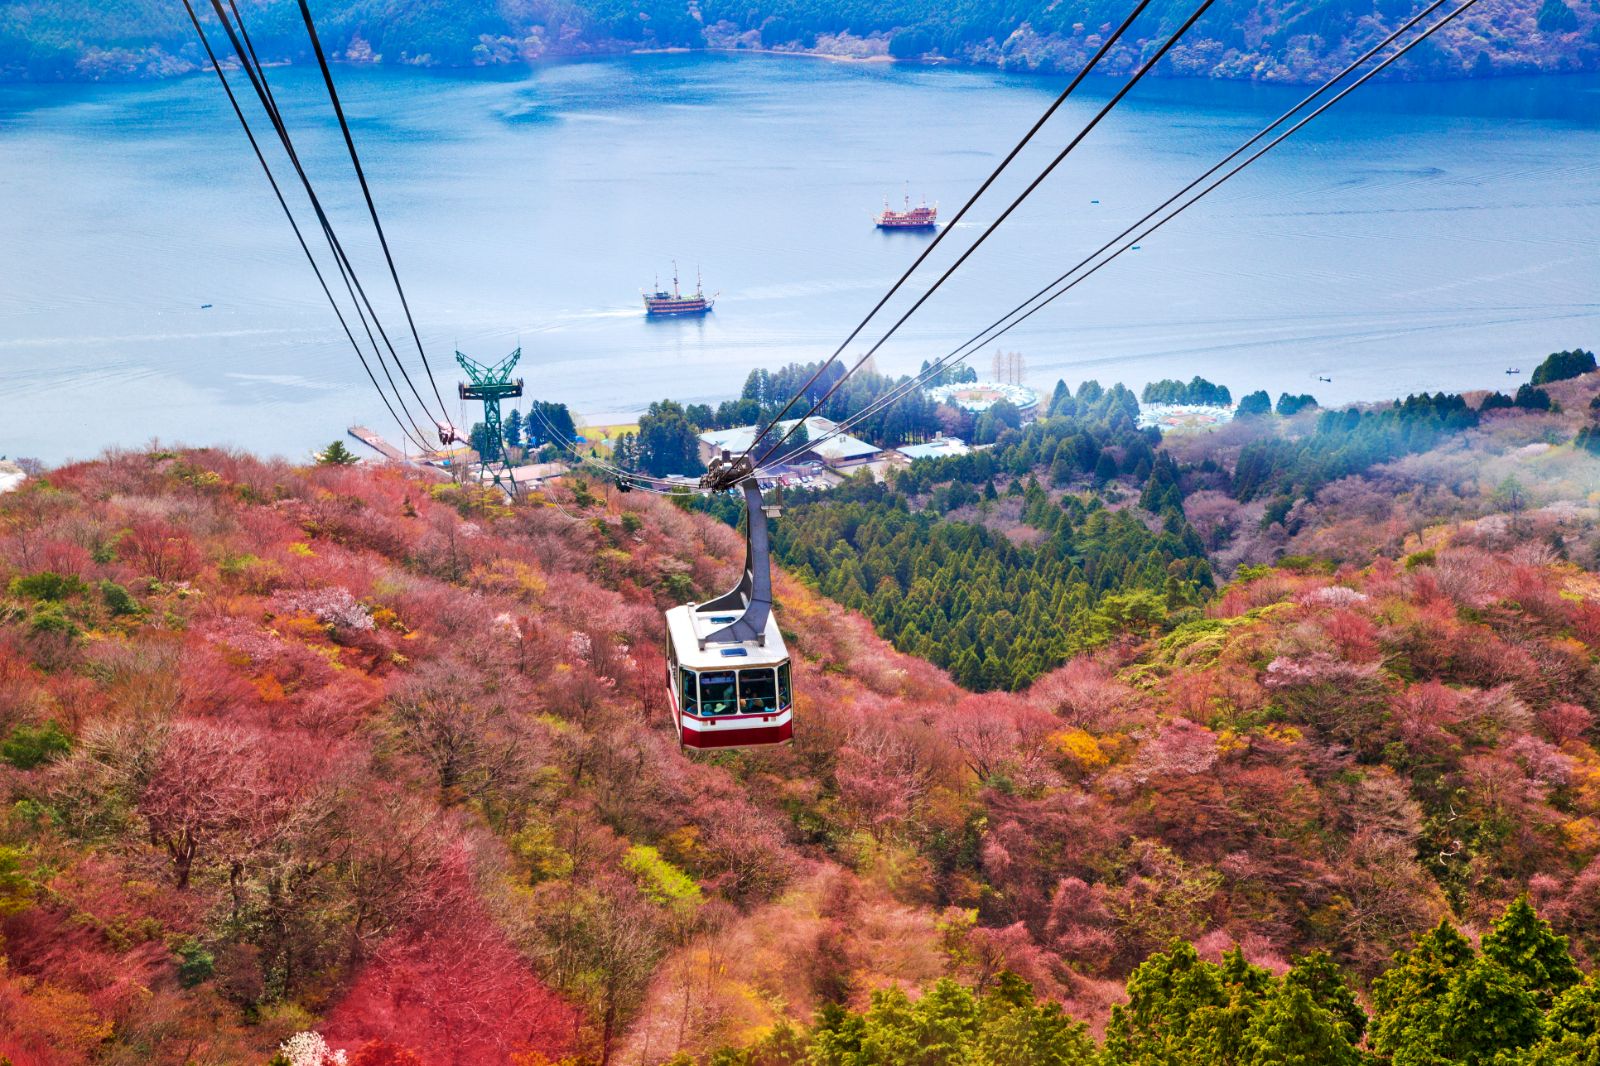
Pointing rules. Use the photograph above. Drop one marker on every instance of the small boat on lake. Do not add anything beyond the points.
(676, 302)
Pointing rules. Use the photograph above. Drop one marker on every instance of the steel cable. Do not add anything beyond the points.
(991, 332)
(1117, 98)
(352, 280)
(299, 236)
(355, 159)
(1060, 99)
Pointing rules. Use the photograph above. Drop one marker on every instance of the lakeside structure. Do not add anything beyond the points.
(1183, 415)
(979, 396)
(525, 475)
(441, 457)
(940, 447)
(535, 475)
(841, 452)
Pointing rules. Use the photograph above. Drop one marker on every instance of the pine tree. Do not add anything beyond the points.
(1572, 1029)
(1577, 1011)
(1525, 945)
(1164, 1021)
(837, 1037)
(1410, 994)
(1016, 1030)
(1488, 1012)
(1220, 1033)
(336, 454)
(946, 1021)
(1321, 977)
(1291, 1029)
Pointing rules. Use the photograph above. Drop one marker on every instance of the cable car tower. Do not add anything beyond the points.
(491, 384)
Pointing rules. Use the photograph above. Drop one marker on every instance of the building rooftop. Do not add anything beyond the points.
(938, 448)
(534, 473)
(842, 448)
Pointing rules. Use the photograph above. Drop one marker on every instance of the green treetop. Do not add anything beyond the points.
(1320, 976)
(1571, 1030)
(1487, 1012)
(1577, 1010)
(1559, 366)
(336, 454)
(1016, 1030)
(1291, 1029)
(1254, 405)
(1409, 994)
(1524, 944)
(1162, 1022)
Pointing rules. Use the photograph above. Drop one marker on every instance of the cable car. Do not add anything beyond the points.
(728, 675)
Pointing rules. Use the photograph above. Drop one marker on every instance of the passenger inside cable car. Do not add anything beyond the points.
(758, 690)
(753, 690)
(719, 692)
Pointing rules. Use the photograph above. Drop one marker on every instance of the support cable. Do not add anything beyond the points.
(950, 226)
(355, 159)
(1127, 87)
(991, 332)
(268, 100)
(299, 237)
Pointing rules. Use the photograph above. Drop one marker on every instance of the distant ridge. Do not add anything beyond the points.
(1260, 40)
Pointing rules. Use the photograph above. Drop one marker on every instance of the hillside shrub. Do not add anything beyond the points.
(47, 586)
(30, 746)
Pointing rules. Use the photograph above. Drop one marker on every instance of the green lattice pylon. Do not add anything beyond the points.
(491, 384)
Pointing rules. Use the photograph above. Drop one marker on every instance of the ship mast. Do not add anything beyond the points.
(675, 293)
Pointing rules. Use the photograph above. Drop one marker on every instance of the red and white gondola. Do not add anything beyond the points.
(728, 673)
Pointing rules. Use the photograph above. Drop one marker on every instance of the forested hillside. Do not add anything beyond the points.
(1082, 528)
(333, 757)
(998, 588)
(1279, 40)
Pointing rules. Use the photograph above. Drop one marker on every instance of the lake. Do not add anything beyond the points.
(1416, 237)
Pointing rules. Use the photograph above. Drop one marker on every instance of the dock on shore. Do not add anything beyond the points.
(372, 440)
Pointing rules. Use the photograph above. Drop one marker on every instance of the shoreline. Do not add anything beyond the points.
(624, 419)
(158, 65)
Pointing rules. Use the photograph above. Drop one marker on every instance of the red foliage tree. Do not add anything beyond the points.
(161, 551)
(222, 791)
(383, 1053)
(451, 989)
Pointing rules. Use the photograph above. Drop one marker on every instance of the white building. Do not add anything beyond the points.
(838, 452)
(534, 475)
(940, 447)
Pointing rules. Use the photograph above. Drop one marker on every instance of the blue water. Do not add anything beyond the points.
(1418, 237)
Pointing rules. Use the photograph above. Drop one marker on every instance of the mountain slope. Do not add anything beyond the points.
(278, 742)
